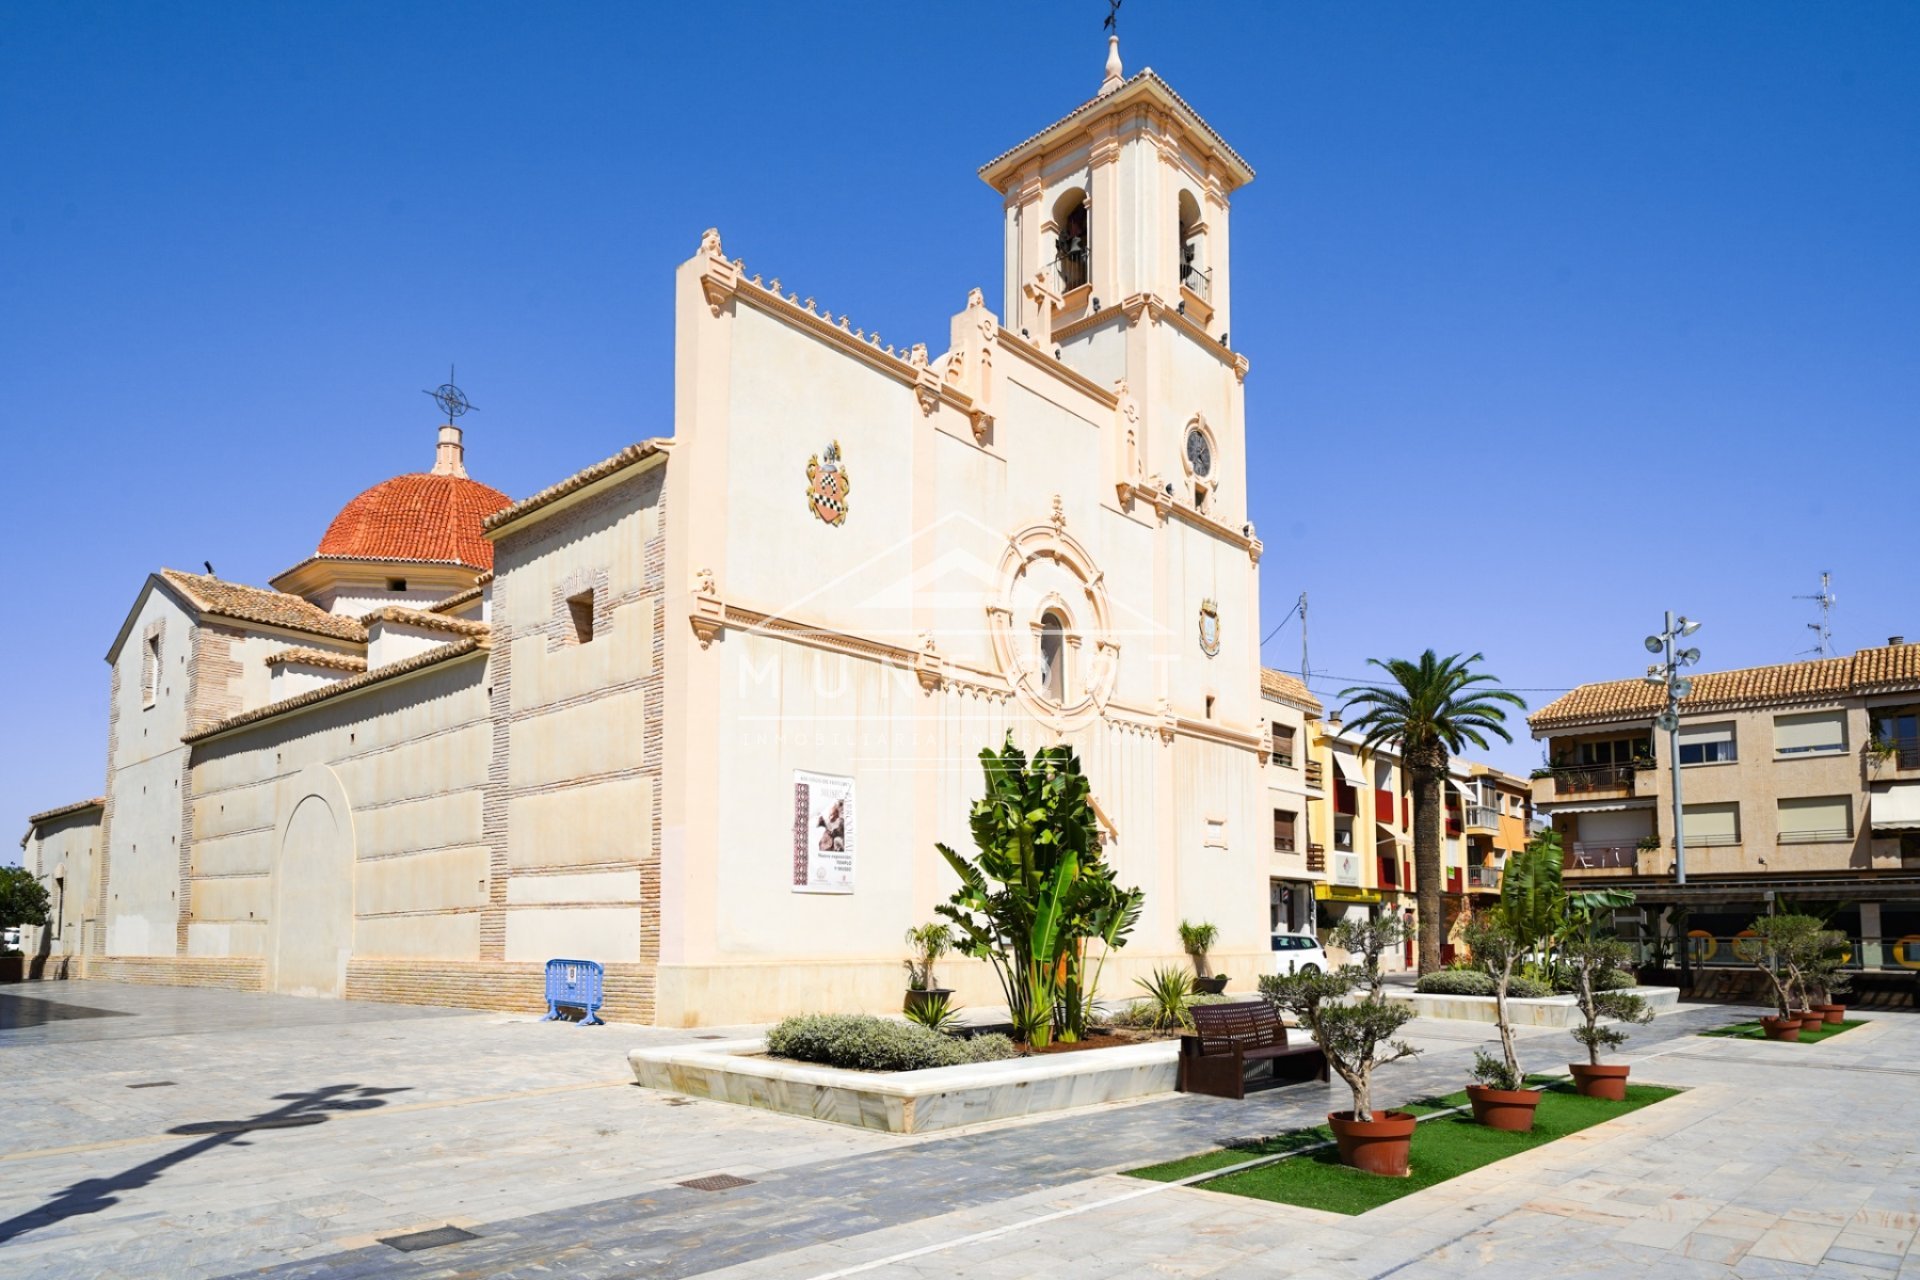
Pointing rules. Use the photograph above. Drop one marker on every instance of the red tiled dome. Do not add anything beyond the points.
(417, 517)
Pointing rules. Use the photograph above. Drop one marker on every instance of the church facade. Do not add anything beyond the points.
(701, 711)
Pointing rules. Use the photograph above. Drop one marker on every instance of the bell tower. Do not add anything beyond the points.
(1122, 201)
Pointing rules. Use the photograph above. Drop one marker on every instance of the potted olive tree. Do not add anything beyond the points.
(1825, 976)
(1598, 966)
(928, 943)
(1357, 1037)
(1501, 1099)
(1197, 940)
(1784, 945)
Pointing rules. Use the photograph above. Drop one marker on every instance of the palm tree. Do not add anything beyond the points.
(1429, 711)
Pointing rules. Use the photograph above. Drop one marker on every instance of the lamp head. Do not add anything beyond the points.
(1655, 644)
(1689, 656)
(1688, 628)
(1682, 687)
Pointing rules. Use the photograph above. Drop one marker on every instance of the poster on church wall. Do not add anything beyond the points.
(822, 833)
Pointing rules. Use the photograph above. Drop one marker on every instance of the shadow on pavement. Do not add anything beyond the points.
(91, 1195)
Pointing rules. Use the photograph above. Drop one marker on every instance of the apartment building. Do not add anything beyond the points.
(1799, 782)
(1296, 780)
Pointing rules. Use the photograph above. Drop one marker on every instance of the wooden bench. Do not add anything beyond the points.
(1226, 1037)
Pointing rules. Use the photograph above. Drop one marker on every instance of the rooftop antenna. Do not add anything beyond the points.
(1305, 670)
(1825, 599)
(1113, 17)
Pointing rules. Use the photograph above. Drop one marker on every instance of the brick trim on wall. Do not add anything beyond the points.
(501, 986)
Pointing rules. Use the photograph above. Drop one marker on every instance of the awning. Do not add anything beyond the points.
(1464, 786)
(1341, 893)
(1386, 829)
(1894, 806)
(1602, 806)
(1349, 769)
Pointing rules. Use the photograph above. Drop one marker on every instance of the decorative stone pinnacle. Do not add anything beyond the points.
(1114, 75)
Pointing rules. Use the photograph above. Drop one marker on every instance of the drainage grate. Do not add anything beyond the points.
(718, 1182)
(709, 1037)
(152, 1084)
(679, 1102)
(415, 1241)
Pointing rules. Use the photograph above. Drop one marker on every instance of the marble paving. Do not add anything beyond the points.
(196, 1134)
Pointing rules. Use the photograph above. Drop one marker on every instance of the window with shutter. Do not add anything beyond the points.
(1712, 824)
(1809, 733)
(1807, 819)
(1706, 744)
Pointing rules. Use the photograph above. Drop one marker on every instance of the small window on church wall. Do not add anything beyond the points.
(150, 672)
(1073, 247)
(396, 584)
(1053, 658)
(580, 611)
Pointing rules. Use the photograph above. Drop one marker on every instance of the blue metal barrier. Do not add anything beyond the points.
(578, 984)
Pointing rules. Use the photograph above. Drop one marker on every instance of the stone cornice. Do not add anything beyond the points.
(1163, 503)
(1033, 355)
(1152, 306)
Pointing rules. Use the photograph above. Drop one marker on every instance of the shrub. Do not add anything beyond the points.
(1608, 979)
(1169, 992)
(866, 1043)
(1521, 987)
(1455, 982)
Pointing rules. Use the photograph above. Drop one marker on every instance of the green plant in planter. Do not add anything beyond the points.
(1593, 960)
(1824, 974)
(23, 899)
(928, 942)
(1356, 1035)
(936, 1012)
(1168, 993)
(1787, 944)
(1499, 940)
(1038, 892)
(1197, 940)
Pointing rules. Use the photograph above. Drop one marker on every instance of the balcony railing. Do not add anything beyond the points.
(1897, 753)
(1069, 268)
(1283, 758)
(1837, 835)
(1577, 779)
(1483, 877)
(1483, 815)
(1316, 857)
(1601, 857)
(1316, 773)
(1196, 281)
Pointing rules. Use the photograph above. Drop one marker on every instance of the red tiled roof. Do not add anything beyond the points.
(406, 666)
(1868, 671)
(78, 806)
(1278, 684)
(257, 604)
(417, 517)
(627, 457)
(317, 658)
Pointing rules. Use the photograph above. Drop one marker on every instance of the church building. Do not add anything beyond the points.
(701, 711)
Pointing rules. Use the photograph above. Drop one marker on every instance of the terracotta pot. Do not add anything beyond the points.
(1606, 1082)
(1781, 1028)
(1832, 1014)
(918, 997)
(1510, 1110)
(1378, 1145)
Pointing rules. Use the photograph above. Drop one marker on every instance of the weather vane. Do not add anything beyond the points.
(452, 400)
(1113, 17)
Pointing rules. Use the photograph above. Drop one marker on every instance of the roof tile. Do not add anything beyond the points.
(261, 605)
(1869, 670)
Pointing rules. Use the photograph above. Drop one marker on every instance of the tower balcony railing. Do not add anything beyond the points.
(1197, 281)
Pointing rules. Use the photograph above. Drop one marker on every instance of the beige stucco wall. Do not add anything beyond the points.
(63, 854)
(575, 843)
(401, 768)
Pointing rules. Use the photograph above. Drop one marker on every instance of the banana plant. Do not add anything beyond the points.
(1037, 890)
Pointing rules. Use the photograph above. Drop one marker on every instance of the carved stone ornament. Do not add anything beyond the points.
(827, 485)
(1209, 628)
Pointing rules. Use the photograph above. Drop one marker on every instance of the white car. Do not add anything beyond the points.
(1298, 953)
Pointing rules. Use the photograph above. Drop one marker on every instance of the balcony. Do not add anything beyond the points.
(1580, 780)
(1483, 817)
(1601, 857)
(1316, 773)
(1317, 857)
(1893, 754)
(1839, 835)
(1197, 282)
(1283, 758)
(1483, 878)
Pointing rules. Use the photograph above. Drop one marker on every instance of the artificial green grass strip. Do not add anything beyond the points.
(1442, 1148)
(1753, 1031)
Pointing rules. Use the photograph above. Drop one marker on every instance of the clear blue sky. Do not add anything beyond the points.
(1559, 314)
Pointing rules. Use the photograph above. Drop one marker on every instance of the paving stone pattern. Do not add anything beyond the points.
(300, 1133)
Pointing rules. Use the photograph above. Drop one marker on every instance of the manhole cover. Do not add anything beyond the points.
(152, 1084)
(415, 1241)
(718, 1182)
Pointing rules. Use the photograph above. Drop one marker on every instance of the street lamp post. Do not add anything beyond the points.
(1666, 674)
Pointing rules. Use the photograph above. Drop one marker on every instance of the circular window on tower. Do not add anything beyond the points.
(1199, 452)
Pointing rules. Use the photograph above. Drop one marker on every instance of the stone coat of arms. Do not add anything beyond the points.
(827, 485)
(1209, 628)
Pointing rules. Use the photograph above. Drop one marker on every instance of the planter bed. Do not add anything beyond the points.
(909, 1101)
(1444, 1147)
(1548, 1011)
(1808, 1035)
